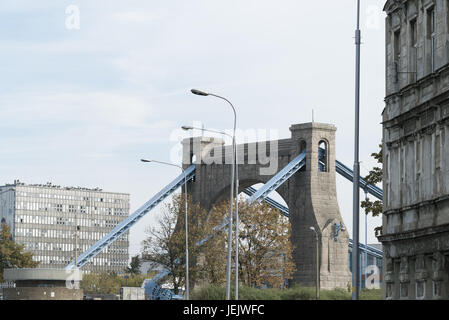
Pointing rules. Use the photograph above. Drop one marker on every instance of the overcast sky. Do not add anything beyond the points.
(81, 103)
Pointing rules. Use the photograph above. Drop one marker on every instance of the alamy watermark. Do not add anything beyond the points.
(72, 21)
(373, 17)
(372, 280)
(254, 146)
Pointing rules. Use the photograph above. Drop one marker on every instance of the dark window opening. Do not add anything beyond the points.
(322, 157)
(302, 148)
(413, 46)
(431, 35)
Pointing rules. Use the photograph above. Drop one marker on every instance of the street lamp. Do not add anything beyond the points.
(228, 263)
(356, 192)
(236, 207)
(317, 264)
(186, 222)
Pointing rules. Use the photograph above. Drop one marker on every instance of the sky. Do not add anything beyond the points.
(88, 88)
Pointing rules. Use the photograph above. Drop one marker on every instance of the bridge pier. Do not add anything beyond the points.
(310, 193)
(312, 201)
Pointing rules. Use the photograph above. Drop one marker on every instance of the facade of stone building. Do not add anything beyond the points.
(415, 233)
(46, 219)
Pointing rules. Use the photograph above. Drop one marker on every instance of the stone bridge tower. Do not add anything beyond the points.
(310, 194)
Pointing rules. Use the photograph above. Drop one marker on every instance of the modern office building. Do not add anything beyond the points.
(49, 220)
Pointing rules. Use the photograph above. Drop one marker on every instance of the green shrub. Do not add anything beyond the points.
(336, 294)
(372, 294)
(248, 293)
(210, 292)
(298, 293)
(214, 292)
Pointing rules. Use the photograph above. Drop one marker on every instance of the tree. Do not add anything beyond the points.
(165, 244)
(134, 266)
(374, 176)
(213, 259)
(12, 255)
(265, 249)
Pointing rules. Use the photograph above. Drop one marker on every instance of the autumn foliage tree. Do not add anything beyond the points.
(12, 254)
(374, 177)
(166, 243)
(265, 250)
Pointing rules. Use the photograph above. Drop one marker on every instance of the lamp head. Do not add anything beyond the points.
(187, 128)
(199, 92)
(145, 160)
(312, 228)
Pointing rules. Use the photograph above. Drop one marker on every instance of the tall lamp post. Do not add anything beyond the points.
(236, 206)
(228, 263)
(187, 296)
(356, 192)
(317, 264)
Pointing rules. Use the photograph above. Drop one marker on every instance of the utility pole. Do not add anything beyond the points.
(231, 211)
(356, 181)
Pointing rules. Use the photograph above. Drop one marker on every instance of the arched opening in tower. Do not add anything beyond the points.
(322, 156)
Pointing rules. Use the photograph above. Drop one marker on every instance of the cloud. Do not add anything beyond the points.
(117, 88)
(137, 16)
(88, 108)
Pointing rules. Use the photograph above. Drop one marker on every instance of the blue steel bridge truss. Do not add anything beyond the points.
(126, 224)
(255, 195)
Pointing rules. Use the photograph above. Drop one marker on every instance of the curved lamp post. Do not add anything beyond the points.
(236, 207)
(187, 297)
(228, 263)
